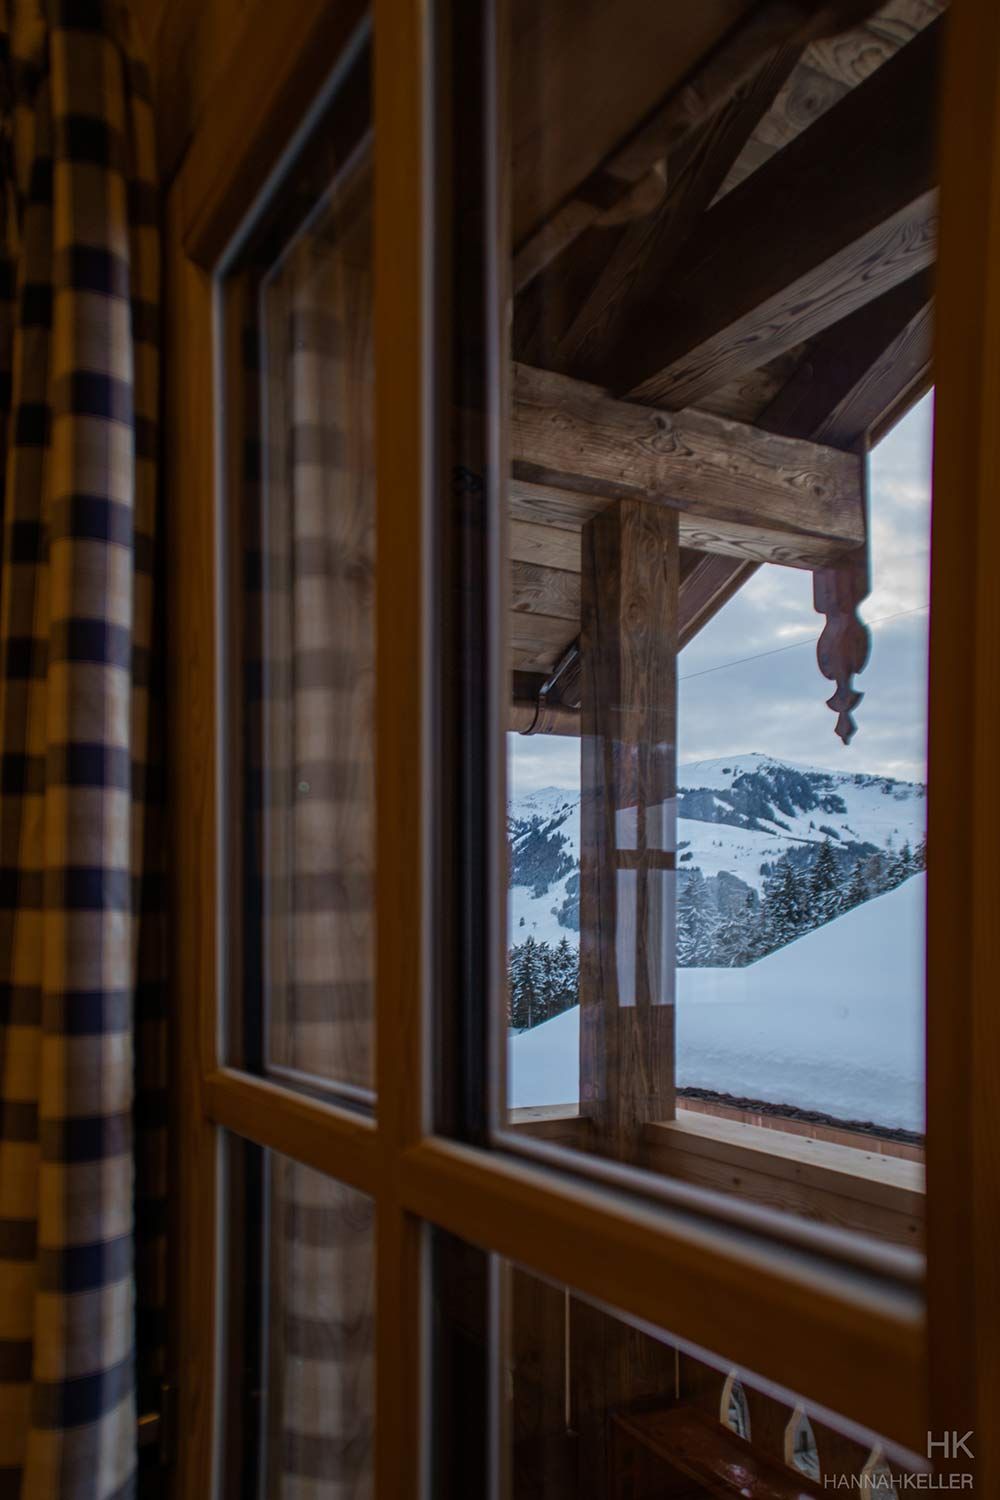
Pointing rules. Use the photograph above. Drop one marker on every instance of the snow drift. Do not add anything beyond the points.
(833, 1022)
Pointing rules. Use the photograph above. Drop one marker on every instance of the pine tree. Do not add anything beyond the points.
(784, 907)
(735, 938)
(824, 887)
(857, 891)
(876, 873)
(527, 985)
(566, 978)
(697, 921)
(902, 865)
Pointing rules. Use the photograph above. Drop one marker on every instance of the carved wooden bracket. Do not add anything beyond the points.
(844, 646)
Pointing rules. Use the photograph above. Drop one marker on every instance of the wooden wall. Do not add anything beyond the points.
(188, 44)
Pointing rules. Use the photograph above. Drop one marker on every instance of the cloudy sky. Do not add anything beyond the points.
(749, 680)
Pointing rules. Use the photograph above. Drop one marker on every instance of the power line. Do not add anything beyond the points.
(809, 641)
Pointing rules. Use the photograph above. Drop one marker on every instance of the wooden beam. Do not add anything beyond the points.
(583, 81)
(648, 247)
(537, 590)
(706, 589)
(545, 546)
(843, 1185)
(537, 642)
(619, 185)
(738, 491)
(628, 651)
(854, 378)
(844, 213)
(856, 375)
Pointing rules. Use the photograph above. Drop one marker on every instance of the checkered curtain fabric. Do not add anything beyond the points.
(81, 1052)
(319, 509)
(316, 847)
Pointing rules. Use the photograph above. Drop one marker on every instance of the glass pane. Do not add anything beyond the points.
(716, 593)
(300, 1331)
(591, 1406)
(299, 310)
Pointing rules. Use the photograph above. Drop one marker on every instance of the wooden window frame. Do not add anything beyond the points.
(852, 1342)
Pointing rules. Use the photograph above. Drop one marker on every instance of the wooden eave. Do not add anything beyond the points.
(663, 353)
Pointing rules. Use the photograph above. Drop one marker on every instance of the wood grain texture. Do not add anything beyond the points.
(402, 71)
(963, 935)
(271, 79)
(813, 1130)
(612, 1365)
(544, 545)
(840, 1185)
(330, 1139)
(766, 1306)
(598, 68)
(738, 490)
(628, 181)
(707, 588)
(628, 721)
(188, 43)
(677, 1451)
(536, 641)
(744, 398)
(543, 1446)
(798, 245)
(832, 288)
(647, 248)
(194, 796)
(832, 65)
(857, 373)
(537, 590)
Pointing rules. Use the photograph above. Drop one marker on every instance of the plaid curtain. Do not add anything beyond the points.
(81, 1040)
(316, 849)
(319, 648)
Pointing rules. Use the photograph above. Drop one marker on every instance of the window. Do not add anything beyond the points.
(298, 310)
(546, 1296)
(595, 1405)
(716, 596)
(799, 946)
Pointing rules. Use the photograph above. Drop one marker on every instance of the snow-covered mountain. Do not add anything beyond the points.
(737, 816)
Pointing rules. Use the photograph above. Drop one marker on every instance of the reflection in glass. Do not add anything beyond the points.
(319, 640)
(302, 1332)
(800, 896)
(591, 1406)
(716, 588)
(301, 533)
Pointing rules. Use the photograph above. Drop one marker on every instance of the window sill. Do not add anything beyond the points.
(847, 1186)
(834, 1184)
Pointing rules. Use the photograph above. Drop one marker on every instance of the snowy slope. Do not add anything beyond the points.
(877, 811)
(832, 1022)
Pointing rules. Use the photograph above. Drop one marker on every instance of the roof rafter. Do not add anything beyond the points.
(844, 213)
(627, 182)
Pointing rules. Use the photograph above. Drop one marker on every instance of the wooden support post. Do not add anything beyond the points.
(629, 632)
